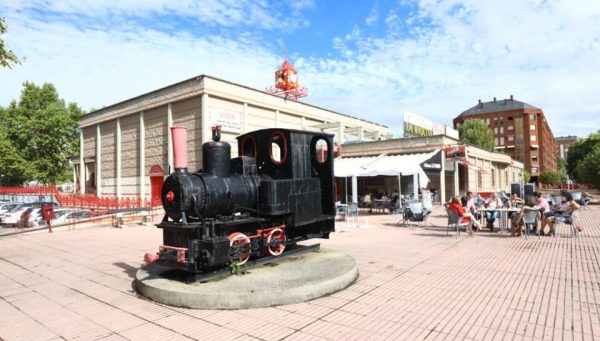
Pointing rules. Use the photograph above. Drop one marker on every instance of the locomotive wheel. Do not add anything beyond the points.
(278, 236)
(239, 243)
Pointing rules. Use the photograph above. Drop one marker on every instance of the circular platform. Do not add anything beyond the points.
(291, 280)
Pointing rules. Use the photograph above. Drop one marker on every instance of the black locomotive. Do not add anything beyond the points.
(278, 191)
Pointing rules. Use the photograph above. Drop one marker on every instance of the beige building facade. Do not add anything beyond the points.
(475, 170)
(126, 147)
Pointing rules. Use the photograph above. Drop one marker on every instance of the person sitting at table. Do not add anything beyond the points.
(455, 205)
(515, 201)
(469, 205)
(547, 214)
(568, 207)
(368, 201)
(517, 224)
(491, 203)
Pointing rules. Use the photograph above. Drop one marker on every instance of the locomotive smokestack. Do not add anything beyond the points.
(179, 135)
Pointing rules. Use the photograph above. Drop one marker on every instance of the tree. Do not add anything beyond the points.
(477, 133)
(14, 169)
(579, 150)
(588, 169)
(562, 168)
(7, 57)
(526, 176)
(550, 177)
(43, 131)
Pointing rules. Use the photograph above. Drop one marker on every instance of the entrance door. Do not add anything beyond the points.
(156, 181)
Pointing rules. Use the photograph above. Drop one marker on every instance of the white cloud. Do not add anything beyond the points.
(436, 61)
(373, 16)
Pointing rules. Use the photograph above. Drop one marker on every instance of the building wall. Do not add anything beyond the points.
(562, 145)
(191, 104)
(515, 137)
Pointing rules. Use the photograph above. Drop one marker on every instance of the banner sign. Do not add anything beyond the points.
(455, 151)
(230, 121)
(415, 125)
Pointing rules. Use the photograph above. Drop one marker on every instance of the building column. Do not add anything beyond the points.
(340, 138)
(355, 189)
(443, 178)
(142, 157)
(206, 128)
(118, 158)
(81, 164)
(169, 138)
(244, 118)
(456, 184)
(303, 122)
(98, 161)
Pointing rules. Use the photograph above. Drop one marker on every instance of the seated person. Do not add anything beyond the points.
(368, 201)
(516, 220)
(466, 217)
(565, 209)
(469, 204)
(547, 214)
(515, 201)
(491, 203)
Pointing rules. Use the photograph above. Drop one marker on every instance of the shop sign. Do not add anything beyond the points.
(230, 121)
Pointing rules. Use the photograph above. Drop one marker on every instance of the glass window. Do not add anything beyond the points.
(532, 127)
(533, 138)
(496, 131)
(487, 121)
(510, 118)
(510, 127)
(534, 170)
(534, 158)
(502, 141)
(531, 117)
(511, 138)
(501, 130)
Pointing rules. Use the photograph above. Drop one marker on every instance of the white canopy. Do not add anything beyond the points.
(389, 165)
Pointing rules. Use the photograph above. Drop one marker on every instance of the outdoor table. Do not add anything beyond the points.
(504, 216)
(381, 204)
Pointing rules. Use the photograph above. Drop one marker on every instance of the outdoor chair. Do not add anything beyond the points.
(352, 212)
(556, 199)
(455, 221)
(566, 218)
(580, 199)
(341, 211)
(416, 213)
(530, 219)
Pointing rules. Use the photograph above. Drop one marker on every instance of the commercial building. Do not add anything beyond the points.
(520, 131)
(126, 147)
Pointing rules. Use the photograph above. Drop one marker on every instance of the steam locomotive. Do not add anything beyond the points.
(277, 192)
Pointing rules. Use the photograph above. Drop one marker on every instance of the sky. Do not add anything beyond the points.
(367, 59)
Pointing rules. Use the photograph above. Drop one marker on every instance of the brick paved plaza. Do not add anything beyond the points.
(415, 283)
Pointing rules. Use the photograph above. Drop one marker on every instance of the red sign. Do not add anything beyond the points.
(455, 151)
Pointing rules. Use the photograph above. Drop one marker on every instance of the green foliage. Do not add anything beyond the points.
(550, 177)
(477, 133)
(14, 170)
(7, 57)
(579, 150)
(562, 168)
(588, 169)
(42, 130)
(526, 176)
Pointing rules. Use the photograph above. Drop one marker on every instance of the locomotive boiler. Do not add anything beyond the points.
(277, 192)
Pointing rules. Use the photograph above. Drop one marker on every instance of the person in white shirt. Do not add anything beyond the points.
(492, 202)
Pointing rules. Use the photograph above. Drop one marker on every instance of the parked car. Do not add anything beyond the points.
(26, 219)
(70, 217)
(13, 216)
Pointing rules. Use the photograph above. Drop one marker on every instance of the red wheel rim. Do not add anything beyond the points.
(276, 235)
(240, 240)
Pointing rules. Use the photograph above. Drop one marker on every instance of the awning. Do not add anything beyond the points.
(390, 165)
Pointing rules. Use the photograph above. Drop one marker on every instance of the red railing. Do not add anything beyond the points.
(81, 200)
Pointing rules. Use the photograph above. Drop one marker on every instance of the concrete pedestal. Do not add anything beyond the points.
(291, 280)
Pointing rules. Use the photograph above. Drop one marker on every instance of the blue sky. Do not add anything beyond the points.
(369, 59)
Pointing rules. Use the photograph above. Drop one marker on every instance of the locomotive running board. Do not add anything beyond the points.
(295, 251)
